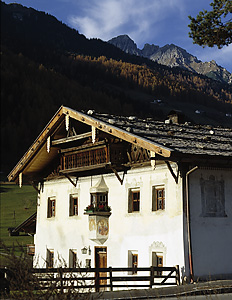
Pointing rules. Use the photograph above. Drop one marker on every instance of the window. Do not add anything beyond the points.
(72, 258)
(31, 249)
(158, 198)
(73, 205)
(51, 207)
(157, 261)
(88, 263)
(99, 200)
(50, 258)
(133, 261)
(134, 200)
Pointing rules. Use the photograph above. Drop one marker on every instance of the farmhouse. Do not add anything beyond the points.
(125, 192)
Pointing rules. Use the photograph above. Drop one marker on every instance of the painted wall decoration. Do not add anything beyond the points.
(103, 226)
(92, 223)
(212, 197)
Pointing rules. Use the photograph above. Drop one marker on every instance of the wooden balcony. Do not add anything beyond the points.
(91, 157)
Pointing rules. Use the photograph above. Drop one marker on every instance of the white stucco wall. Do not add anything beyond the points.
(211, 235)
(144, 231)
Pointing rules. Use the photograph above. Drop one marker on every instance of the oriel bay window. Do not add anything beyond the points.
(99, 201)
(99, 197)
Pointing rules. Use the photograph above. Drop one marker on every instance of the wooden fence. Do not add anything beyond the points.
(98, 279)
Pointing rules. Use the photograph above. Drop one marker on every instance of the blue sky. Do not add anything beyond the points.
(158, 22)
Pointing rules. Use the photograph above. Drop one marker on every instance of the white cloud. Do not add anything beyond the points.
(108, 18)
(145, 21)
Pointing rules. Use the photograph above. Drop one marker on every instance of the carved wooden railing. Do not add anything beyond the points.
(92, 157)
(86, 158)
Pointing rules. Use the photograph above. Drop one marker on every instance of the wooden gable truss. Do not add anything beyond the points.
(74, 142)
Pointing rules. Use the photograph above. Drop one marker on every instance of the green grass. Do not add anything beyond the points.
(16, 205)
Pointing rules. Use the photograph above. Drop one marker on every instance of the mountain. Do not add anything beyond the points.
(173, 56)
(46, 64)
(126, 44)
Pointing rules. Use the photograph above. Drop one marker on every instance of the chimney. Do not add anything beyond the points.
(176, 117)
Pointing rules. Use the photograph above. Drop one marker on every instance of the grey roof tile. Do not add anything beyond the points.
(182, 138)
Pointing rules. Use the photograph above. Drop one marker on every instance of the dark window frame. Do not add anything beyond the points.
(51, 209)
(134, 200)
(158, 198)
(160, 264)
(158, 261)
(99, 199)
(50, 258)
(73, 205)
(72, 258)
(134, 263)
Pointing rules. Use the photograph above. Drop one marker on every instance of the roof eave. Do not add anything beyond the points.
(118, 132)
(36, 146)
(101, 125)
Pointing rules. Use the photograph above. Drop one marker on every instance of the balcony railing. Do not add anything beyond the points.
(86, 158)
(97, 156)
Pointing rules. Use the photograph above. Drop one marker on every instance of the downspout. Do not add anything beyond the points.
(188, 224)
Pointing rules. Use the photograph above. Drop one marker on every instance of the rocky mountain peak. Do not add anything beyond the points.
(148, 50)
(173, 56)
(126, 44)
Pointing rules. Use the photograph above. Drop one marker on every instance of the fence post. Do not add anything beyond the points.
(151, 276)
(111, 279)
(97, 280)
(61, 280)
(177, 275)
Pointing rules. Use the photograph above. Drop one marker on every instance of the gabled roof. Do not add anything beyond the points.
(27, 226)
(178, 138)
(166, 140)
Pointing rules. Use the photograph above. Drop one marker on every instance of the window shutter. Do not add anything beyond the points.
(154, 206)
(49, 208)
(70, 206)
(154, 259)
(130, 204)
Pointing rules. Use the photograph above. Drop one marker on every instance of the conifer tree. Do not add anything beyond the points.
(213, 27)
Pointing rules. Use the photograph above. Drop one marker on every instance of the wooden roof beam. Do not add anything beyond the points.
(120, 133)
(36, 145)
(72, 138)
